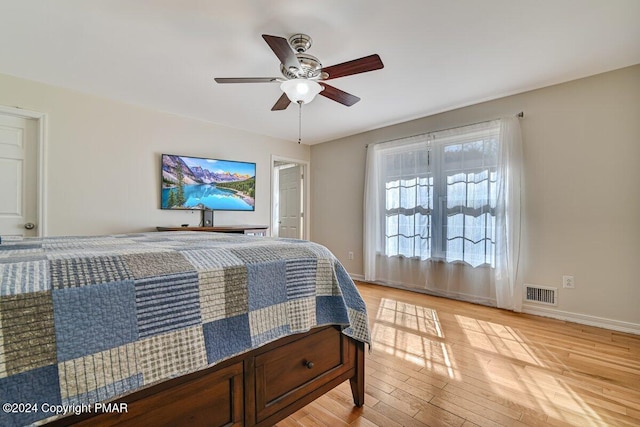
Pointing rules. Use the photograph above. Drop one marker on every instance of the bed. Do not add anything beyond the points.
(174, 328)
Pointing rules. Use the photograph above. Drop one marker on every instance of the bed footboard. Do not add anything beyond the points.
(258, 388)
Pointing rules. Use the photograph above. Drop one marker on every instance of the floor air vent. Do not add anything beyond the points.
(541, 294)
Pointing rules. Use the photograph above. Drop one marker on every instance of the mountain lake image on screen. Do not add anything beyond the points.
(201, 183)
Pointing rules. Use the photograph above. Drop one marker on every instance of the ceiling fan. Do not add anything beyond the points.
(303, 74)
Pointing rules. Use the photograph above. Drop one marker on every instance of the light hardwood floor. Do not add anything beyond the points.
(441, 362)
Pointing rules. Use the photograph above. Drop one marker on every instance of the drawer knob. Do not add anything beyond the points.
(308, 364)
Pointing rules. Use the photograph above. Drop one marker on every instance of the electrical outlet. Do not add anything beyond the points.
(350, 255)
(568, 282)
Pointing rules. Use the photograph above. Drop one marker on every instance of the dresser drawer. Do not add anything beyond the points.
(283, 374)
(215, 399)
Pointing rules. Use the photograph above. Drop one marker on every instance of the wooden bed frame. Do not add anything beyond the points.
(258, 388)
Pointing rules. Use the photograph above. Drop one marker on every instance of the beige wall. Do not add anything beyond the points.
(103, 160)
(582, 195)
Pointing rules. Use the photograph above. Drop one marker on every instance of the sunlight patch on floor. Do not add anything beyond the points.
(497, 338)
(536, 378)
(518, 372)
(412, 333)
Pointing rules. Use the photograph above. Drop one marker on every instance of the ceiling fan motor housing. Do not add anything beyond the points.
(310, 68)
(300, 42)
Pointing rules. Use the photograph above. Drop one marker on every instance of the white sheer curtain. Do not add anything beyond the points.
(508, 276)
(442, 213)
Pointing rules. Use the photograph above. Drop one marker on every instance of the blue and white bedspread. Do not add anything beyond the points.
(89, 319)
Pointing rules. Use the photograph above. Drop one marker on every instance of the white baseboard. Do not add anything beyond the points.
(583, 319)
(359, 277)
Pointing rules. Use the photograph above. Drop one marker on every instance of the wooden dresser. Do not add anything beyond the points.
(255, 230)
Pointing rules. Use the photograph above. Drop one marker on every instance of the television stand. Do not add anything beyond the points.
(255, 230)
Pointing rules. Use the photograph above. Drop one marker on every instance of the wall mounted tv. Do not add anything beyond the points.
(199, 183)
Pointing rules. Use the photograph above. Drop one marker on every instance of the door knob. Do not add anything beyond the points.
(29, 226)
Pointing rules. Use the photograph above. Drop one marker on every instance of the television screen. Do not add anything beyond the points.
(198, 183)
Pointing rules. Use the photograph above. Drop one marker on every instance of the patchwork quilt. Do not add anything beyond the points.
(89, 319)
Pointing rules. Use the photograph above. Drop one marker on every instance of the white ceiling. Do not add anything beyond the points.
(438, 54)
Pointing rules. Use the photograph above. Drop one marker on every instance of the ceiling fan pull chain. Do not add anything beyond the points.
(299, 121)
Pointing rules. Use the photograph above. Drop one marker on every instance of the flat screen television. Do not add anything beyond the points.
(200, 183)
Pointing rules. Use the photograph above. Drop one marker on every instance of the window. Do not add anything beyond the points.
(452, 197)
(439, 194)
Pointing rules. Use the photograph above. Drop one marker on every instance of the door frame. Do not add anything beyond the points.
(41, 144)
(304, 165)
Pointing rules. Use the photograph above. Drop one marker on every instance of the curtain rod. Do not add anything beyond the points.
(520, 115)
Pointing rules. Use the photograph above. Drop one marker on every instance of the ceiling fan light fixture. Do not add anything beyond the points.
(301, 90)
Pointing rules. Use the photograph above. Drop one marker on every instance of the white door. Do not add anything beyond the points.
(18, 176)
(290, 207)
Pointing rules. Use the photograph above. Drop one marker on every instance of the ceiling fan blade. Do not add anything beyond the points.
(338, 95)
(280, 46)
(282, 103)
(357, 66)
(247, 79)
